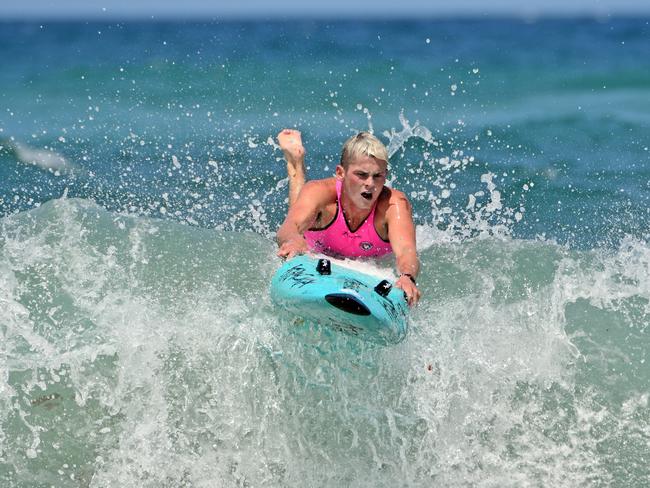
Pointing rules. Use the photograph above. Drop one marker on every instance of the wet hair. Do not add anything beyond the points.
(362, 144)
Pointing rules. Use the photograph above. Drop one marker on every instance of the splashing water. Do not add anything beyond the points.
(132, 359)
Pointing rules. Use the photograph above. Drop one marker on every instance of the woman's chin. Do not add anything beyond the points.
(364, 203)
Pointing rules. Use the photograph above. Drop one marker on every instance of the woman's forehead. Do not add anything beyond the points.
(368, 164)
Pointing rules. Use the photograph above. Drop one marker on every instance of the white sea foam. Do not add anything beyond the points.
(370, 267)
(43, 158)
(157, 343)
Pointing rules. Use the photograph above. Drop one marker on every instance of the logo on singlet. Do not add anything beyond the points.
(365, 245)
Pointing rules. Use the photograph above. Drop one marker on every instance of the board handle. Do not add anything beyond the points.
(324, 267)
(383, 288)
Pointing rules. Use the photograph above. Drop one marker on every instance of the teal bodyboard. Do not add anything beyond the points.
(344, 299)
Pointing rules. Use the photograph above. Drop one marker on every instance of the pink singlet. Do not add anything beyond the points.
(336, 239)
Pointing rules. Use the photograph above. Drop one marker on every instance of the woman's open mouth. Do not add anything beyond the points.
(367, 195)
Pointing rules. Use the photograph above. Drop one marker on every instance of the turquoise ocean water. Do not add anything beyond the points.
(140, 189)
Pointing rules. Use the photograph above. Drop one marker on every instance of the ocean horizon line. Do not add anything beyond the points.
(277, 18)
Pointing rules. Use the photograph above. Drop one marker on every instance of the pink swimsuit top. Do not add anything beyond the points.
(336, 239)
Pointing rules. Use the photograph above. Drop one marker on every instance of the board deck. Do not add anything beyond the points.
(345, 299)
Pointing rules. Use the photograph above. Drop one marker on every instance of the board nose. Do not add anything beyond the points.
(347, 303)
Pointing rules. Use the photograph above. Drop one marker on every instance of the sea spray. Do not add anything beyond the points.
(175, 367)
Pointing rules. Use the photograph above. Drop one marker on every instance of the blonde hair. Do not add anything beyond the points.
(363, 144)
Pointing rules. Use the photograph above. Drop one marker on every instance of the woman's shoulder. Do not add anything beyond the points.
(391, 196)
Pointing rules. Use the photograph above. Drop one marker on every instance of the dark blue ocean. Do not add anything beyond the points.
(140, 189)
